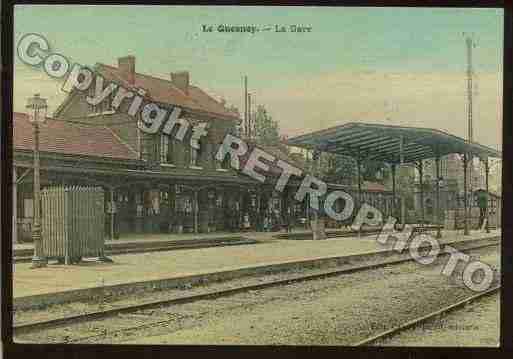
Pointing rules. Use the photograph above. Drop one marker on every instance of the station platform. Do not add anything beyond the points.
(135, 243)
(155, 266)
(141, 239)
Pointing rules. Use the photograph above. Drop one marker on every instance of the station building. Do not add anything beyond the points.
(152, 183)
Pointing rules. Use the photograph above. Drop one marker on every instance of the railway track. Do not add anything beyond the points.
(21, 329)
(344, 233)
(415, 322)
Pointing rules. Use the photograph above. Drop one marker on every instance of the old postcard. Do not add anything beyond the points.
(257, 175)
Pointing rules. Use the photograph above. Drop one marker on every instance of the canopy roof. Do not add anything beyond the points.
(383, 143)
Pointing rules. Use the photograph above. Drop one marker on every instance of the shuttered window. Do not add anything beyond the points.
(166, 149)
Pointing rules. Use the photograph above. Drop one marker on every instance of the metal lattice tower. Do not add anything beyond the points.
(470, 44)
(470, 127)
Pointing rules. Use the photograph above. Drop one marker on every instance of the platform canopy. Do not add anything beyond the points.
(384, 143)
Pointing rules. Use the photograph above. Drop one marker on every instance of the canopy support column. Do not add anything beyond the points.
(394, 209)
(259, 211)
(284, 208)
(317, 223)
(421, 184)
(438, 225)
(465, 164)
(487, 210)
(15, 206)
(112, 214)
(358, 171)
(112, 209)
(403, 204)
(196, 210)
(307, 207)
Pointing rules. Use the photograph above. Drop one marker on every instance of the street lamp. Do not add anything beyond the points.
(37, 114)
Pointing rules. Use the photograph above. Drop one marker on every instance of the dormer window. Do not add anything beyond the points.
(195, 155)
(104, 107)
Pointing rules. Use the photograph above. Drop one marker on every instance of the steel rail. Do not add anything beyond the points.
(412, 323)
(103, 314)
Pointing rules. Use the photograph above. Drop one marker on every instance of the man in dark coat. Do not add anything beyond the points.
(482, 203)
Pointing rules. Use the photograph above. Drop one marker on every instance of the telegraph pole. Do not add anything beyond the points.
(470, 126)
(249, 117)
(470, 44)
(245, 105)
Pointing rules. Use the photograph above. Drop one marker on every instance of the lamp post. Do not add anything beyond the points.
(37, 114)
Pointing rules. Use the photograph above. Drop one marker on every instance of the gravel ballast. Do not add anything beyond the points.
(333, 311)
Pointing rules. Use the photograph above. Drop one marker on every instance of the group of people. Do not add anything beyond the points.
(271, 221)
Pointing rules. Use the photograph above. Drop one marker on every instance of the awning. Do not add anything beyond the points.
(124, 176)
(383, 143)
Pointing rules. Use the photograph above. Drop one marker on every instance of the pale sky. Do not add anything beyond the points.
(402, 66)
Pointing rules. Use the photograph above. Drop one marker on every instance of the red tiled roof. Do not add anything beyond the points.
(163, 91)
(64, 137)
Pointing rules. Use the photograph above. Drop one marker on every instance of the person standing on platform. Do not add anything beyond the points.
(246, 223)
(482, 203)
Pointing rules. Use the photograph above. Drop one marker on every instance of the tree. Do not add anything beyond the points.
(375, 171)
(267, 131)
(340, 169)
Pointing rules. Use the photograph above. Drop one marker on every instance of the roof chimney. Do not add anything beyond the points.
(181, 80)
(127, 66)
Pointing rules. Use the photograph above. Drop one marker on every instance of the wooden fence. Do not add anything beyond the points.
(72, 222)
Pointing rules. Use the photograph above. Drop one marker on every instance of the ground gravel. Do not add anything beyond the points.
(477, 324)
(333, 311)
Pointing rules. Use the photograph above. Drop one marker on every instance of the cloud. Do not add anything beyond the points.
(303, 103)
(29, 81)
(434, 100)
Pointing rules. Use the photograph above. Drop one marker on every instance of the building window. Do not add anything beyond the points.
(219, 200)
(147, 148)
(166, 149)
(194, 156)
(92, 108)
(106, 105)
